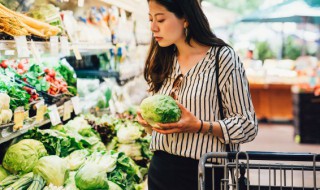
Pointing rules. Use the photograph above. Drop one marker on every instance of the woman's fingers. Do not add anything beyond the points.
(168, 131)
(166, 126)
(142, 121)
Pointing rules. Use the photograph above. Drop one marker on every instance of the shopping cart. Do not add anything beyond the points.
(263, 170)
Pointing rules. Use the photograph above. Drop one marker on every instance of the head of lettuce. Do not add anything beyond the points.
(160, 109)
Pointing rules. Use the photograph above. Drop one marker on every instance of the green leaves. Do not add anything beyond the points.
(18, 96)
(160, 108)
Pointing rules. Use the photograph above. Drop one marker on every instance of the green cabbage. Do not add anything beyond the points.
(91, 176)
(70, 183)
(160, 109)
(52, 169)
(77, 158)
(128, 132)
(21, 158)
(106, 161)
(132, 150)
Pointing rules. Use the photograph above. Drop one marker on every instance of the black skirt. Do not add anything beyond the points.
(171, 172)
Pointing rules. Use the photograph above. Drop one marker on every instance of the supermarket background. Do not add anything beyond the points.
(71, 79)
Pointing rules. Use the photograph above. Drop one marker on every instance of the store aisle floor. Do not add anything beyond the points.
(278, 137)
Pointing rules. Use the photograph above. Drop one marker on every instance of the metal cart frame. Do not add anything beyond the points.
(234, 171)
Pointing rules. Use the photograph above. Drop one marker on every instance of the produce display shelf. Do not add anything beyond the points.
(30, 125)
(44, 46)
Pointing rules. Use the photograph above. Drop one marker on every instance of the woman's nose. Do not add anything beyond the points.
(154, 27)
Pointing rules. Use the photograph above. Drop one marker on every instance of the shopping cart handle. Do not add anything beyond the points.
(283, 156)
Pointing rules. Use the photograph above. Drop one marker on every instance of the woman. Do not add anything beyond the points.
(181, 63)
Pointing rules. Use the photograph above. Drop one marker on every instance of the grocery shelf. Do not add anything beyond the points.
(44, 46)
(22, 131)
(27, 127)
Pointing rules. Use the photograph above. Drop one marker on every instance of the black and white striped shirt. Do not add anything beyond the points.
(199, 95)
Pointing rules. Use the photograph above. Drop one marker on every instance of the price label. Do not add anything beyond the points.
(19, 116)
(54, 45)
(22, 46)
(40, 103)
(67, 110)
(80, 3)
(26, 115)
(9, 52)
(35, 52)
(54, 115)
(76, 105)
(76, 52)
(65, 48)
(41, 110)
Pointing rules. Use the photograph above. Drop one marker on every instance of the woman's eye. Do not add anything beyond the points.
(160, 21)
(150, 20)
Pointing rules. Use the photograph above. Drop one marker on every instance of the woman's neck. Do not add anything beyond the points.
(185, 50)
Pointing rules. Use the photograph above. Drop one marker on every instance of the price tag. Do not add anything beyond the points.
(19, 116)
(76, 52)
(22, 46)
(9, 52)
(41, 110)
(6, 132)
(54, 115)
(26, 115)
(40, 103)
(35, 52)
(76, 105)
(54, 45)
(80, 3)
(65, 48)
(67, 110)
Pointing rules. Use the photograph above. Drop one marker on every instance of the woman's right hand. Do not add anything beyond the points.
(144, 123)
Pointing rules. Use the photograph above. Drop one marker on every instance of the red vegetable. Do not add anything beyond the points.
(4, 64)
(20, 66)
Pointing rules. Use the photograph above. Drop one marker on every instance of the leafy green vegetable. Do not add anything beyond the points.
(145, 150)
(70, 183)
(3, 173)
(57, 143)
(35, 77)
(91, 176)
(127, 173)
(75, 135)
(18, 96)
(114, 186)
(52, 169)
(21, 158)
(128, 132)
(160, 108)
(77, 158)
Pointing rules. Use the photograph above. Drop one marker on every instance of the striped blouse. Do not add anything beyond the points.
(199, 95)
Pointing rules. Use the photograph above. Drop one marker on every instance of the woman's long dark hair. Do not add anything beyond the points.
(159, 62)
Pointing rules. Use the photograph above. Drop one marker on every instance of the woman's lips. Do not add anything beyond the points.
(158, 38)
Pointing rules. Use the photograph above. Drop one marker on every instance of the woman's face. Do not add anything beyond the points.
(167, 29)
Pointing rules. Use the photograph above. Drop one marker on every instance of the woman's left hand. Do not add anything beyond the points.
(188, 123)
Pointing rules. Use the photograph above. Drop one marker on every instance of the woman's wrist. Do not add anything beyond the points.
(208, 127)
(215, 128)
(201, 126)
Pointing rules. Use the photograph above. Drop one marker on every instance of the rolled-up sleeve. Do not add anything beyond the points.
(240, 124)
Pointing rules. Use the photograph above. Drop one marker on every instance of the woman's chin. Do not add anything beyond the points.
(163, 44)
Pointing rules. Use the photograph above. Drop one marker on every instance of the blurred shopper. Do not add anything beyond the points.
(182, 63)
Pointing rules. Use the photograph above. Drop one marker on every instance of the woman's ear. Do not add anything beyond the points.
(185, 24)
